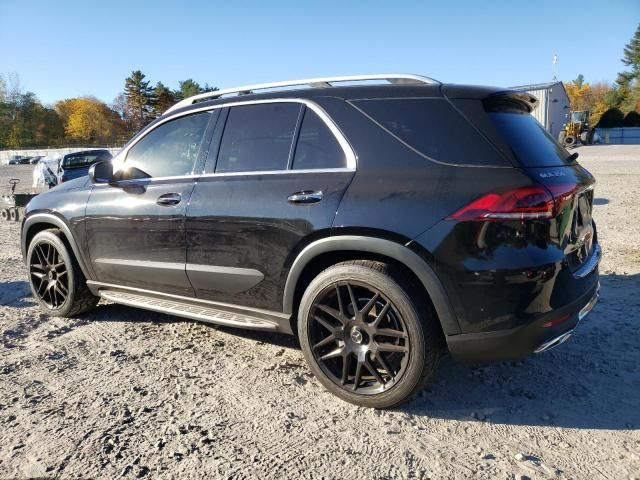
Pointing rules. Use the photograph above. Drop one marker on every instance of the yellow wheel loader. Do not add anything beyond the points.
(577, 129)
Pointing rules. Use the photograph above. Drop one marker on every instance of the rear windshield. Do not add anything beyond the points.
(84, 159)
(530, 143)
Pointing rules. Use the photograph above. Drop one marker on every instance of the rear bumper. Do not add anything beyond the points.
(538, 336)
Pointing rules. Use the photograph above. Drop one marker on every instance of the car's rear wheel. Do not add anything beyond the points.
(367, 334)
(57, 283)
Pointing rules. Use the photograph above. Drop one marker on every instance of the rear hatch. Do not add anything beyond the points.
(537, 153)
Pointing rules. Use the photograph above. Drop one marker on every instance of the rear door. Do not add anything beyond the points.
(135, 227)
(274, 178)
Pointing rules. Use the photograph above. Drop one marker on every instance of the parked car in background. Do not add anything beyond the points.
(381, 223)
(76, 165)
(19, 160)
(35, 159)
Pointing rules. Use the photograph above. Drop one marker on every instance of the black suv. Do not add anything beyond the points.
(382, 219)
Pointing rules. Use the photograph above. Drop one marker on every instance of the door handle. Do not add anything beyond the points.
(169, 199)
(305, 197)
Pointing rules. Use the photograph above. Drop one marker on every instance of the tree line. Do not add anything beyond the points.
(26, 122)
(616, 105)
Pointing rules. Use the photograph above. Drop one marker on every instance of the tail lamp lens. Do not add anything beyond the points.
(525, 203)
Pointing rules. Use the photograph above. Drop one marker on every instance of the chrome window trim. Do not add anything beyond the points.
(197, 177)
(350, 156)
(277, 172)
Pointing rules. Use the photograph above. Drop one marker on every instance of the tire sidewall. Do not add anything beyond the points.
(386, 284)
(50, 237)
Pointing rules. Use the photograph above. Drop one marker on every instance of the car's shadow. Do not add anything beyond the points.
(591, 381)
(16, 294)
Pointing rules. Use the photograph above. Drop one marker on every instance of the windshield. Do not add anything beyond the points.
(530, 143)
(84, 159)
(577, 116)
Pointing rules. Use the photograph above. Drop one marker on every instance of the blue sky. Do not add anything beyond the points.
(63, 48)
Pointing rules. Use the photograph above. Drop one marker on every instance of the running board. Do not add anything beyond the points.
(221, 314)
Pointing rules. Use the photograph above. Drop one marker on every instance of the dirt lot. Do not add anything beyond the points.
(124, 392)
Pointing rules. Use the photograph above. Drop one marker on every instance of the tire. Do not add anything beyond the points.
(394, 358)
(14, 215)
(586, 137)
(570, 140)
(562, 137)
(4, 214)
(56, 281)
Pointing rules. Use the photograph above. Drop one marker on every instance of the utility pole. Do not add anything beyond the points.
(555, 67)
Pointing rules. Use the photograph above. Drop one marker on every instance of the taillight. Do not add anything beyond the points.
(525, 203)
(563, 194)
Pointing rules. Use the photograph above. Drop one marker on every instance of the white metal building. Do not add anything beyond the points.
(553, 107)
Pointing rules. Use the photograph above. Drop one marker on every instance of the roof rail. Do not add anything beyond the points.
(323, 82)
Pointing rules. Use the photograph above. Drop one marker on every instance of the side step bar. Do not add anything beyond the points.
(194, 309)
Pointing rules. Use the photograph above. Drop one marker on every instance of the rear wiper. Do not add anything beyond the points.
(573, 157)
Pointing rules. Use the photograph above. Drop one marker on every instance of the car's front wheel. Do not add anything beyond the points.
(367, 333)
(57, 283)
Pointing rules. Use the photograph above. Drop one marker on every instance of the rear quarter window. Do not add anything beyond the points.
(433, 128)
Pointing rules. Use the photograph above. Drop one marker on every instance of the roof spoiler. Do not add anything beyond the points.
(510, 100)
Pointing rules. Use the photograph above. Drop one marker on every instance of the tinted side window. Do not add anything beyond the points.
(433, 128)
(317, 147)
(170, 149)
(530, 142)
(258, 137)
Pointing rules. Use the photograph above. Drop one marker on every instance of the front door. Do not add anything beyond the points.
(136, 226)
(273, 180)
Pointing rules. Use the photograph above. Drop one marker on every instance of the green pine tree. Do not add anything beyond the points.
(631, 56)
(188, 88)
(628, 82)
(139, 100)
(163, 98)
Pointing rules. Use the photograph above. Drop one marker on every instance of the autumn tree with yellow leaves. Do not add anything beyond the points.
(584, 96)
(89, 120)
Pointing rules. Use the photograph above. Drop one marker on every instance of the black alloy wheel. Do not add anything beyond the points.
(368, 334)
(49, 275)
(358, 337)
(56, 280)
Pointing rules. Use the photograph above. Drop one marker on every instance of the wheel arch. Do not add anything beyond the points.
(338, 248)
(38, 222)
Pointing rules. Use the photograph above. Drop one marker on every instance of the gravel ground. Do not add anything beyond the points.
(124, 392)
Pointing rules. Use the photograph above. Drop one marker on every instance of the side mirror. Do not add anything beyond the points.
(101, 172)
